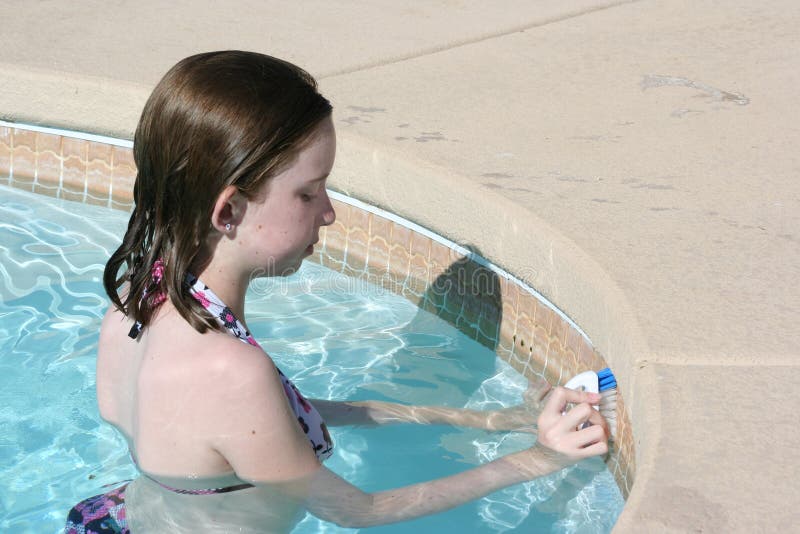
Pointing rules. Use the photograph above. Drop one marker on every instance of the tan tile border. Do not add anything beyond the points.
(482, 301)
(89, 169)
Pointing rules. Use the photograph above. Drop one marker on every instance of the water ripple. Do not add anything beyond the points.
(335, 337)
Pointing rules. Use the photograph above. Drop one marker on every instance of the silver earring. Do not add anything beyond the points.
(227, 227)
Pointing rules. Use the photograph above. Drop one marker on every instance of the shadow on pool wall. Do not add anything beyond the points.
(468, 296)
(492, 308)
(486, 304)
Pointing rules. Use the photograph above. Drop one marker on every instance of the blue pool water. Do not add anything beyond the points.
(334, 336)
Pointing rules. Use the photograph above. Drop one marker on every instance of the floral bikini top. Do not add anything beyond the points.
(308, 417)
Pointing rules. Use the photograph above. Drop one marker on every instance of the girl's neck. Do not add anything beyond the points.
(228, 284)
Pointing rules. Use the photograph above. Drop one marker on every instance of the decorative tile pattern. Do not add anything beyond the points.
(67, 167)
(494, 310)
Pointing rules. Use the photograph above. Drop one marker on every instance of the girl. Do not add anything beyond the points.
(233, 150)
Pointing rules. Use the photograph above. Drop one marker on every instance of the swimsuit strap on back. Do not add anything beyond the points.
(185, 491)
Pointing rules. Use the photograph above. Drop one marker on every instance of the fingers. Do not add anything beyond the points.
(551, 415)
(582, 444)
(584, 413)
(561, 396)
(596, 449)
(561, 431)
(597, 419)
(589, 436)
(576, 417)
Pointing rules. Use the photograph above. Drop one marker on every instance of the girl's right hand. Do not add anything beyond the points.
(561, 440)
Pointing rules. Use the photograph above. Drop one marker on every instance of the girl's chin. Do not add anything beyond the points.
(292, 268)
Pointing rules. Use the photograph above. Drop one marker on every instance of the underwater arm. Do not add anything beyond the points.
(371, 413)
(257, 433)
(560, 444)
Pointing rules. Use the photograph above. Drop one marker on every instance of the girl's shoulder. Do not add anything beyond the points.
(224, 354)
(114, 324)
(173, 347)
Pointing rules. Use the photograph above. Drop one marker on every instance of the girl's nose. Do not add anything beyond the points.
(329, 214)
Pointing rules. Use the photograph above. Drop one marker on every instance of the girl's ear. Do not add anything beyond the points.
(228, 210)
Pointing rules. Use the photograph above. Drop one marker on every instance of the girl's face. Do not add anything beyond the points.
(279, 231)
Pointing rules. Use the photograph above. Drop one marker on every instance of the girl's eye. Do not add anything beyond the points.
(306, 198)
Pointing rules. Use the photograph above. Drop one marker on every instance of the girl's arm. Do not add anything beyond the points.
(521, 417)
(257, 433)
(560, 444)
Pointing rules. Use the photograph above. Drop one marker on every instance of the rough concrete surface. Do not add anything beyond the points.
(639, 157)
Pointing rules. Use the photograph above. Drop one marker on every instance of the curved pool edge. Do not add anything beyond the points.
(75, 102)
(565, 275)
(98, 170)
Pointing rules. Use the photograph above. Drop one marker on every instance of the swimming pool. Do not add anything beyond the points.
(334, 336)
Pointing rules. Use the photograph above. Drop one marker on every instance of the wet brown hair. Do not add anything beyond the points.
(215, 119)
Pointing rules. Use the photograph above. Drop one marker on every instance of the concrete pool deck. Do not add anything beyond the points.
(637, 155)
